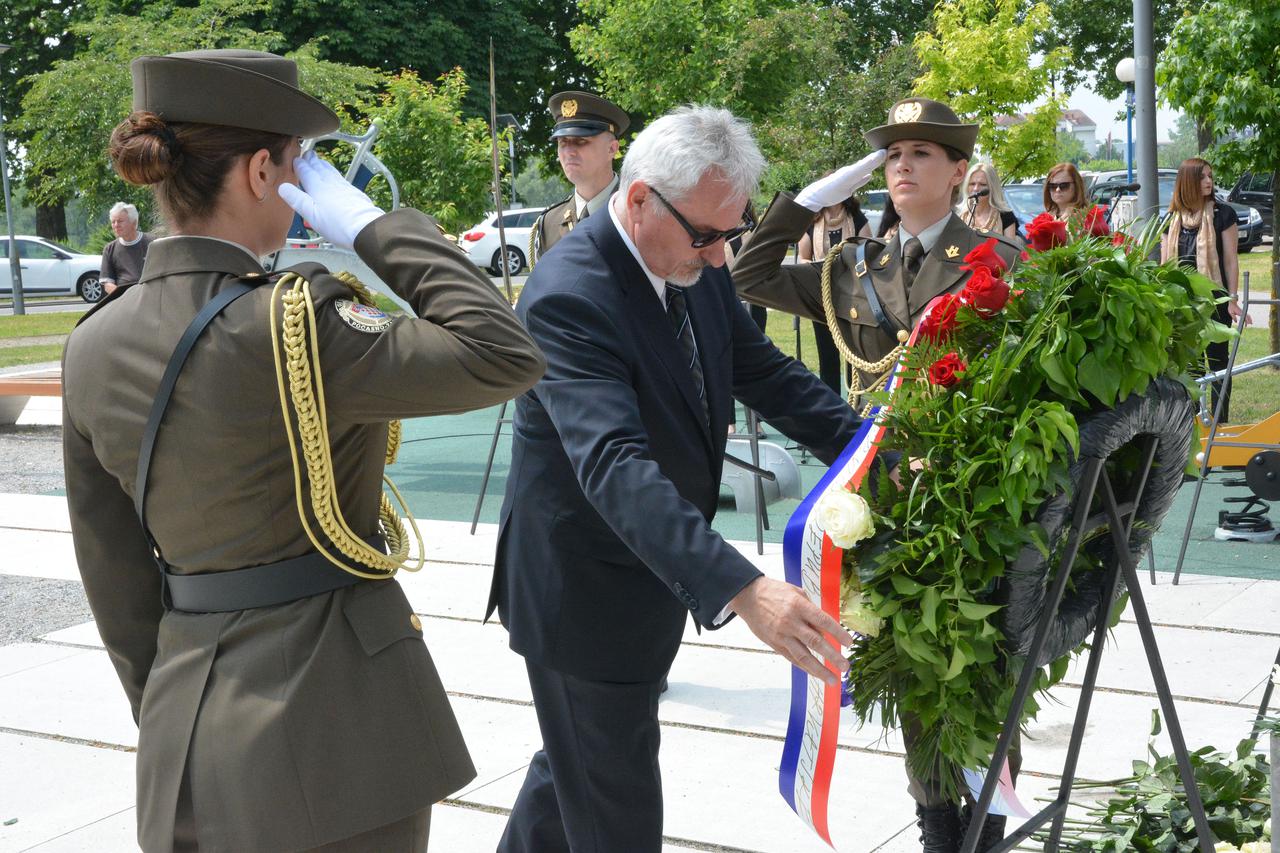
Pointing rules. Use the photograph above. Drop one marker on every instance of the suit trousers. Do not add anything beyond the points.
(595, 786)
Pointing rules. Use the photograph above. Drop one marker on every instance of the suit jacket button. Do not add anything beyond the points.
(692, 602)
(415, 622)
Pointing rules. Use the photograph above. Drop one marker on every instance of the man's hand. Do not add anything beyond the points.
(784, 618)
(840, 184)
(327, 202)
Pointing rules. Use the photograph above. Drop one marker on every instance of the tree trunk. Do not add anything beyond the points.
(1204, 136)
(51, 222)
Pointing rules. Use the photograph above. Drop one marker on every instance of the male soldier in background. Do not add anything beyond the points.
(586, 133)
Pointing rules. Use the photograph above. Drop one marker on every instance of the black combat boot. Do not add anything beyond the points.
(939, 828)
(992, 829)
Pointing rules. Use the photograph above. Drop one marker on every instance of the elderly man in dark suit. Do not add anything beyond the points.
(606, 541)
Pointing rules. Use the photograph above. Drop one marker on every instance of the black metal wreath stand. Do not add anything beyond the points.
(1119, 518)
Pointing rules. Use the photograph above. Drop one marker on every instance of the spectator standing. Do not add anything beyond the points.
(834, 225)
(989, 211)
(123, 257)
(1202, 236)
(1064, 191)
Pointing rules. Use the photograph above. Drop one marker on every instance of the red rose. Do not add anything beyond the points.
(985, 293)
(1095, 221)
(1044, 232)
(943, 371)
(1119, 238)
(984, 256)
(938, 325)
(1024, 256)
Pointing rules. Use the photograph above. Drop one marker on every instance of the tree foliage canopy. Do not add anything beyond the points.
(978, 58)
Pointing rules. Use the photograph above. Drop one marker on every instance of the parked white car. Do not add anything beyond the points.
(482, 246)
(51, 270)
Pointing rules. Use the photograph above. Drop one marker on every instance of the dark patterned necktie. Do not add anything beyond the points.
(678, 314)
(586, 211)
(912, 258)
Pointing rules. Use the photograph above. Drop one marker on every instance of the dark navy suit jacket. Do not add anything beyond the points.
(605, 540)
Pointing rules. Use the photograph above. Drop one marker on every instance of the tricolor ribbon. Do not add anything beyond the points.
(813, 563)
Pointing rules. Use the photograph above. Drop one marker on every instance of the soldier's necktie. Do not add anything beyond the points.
(678, 314)
(912, 258)
(586, 211)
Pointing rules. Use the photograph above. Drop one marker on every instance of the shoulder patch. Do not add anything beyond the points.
(362, 318)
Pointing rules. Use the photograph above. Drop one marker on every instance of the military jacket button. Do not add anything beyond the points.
(415, 621)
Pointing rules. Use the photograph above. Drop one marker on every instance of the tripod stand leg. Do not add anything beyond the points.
(488, 466)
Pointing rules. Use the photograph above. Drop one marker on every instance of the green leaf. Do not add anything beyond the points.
(974, 611)
(929, 609)
(905, 585)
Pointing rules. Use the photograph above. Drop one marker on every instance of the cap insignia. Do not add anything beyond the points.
(568, 108)
(907, 111)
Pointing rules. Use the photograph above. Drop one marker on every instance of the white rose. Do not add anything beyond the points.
(844, 517)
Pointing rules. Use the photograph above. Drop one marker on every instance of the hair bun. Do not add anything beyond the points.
(144, 149)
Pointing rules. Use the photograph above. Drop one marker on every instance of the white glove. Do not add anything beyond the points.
(327, 202)
(840, 184)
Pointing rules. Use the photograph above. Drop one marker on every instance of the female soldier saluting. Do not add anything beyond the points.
(230, 536)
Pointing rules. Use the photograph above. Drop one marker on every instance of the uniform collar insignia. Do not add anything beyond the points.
(953, 250)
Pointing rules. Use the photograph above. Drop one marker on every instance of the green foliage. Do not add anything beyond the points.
(71, 109)
(1183, 143)
(541, 184)
(1098, 34)
(1093, 323)
(1149, 810)
(978, 58)
(1070, 148)
(441, 161)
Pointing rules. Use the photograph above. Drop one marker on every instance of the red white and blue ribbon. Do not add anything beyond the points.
(813, 563)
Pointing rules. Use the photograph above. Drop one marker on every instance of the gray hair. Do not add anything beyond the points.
(127, 208)
(673, 153)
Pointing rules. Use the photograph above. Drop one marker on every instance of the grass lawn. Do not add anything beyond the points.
(14, 356)
(1258, 264)
(33, 325)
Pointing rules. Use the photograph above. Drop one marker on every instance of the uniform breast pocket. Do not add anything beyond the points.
(379, 614)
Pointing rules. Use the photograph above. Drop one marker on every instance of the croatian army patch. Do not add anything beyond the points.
(362, 318)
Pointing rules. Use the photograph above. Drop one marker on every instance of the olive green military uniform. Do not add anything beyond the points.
(559, 219)
(576, 114)
(762, 278)
(292, 726)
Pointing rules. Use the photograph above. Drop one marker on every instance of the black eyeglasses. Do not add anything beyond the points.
(1060, 187)
(702, 239)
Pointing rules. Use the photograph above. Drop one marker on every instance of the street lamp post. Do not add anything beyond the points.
(1126, 74)
(509, 120)
(15, 268)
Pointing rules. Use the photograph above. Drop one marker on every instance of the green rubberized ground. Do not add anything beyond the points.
(442, 464)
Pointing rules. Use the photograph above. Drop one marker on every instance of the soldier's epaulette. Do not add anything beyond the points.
(1014, 243)
(110, 297)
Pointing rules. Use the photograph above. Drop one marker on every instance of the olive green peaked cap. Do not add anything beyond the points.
(233, 88)
(586, 114)
(921, 118)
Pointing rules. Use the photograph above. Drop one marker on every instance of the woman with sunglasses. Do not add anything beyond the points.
(835, 224)
(1202, 235)
(985, 207)
(1064, 194)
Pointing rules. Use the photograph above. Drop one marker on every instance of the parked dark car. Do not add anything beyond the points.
(1248, 220)
(1256, 191)
(1027, 201)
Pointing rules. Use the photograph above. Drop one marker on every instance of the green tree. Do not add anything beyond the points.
(1183, 143)
(1220, 66)
(1069, 148)
(70, 110)
(1097, 35)
(441, 160)
(541, 184)
(38, 36)
(1003, 34)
